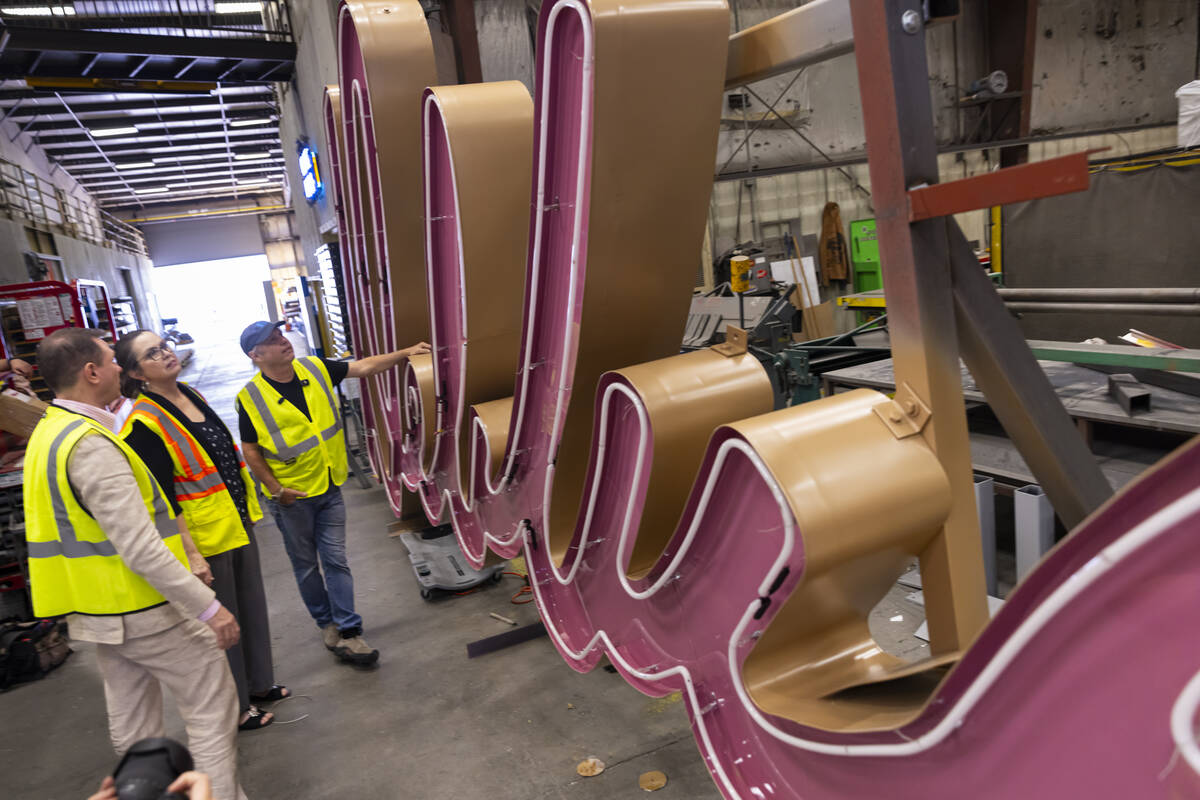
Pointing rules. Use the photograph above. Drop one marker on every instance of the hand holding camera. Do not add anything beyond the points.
(155, 769)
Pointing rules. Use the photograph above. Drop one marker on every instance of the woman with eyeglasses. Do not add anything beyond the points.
(193, 456)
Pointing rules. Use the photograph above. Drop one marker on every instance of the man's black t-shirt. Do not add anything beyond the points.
(293, 392)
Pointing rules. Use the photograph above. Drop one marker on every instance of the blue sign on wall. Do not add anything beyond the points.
(310, 173)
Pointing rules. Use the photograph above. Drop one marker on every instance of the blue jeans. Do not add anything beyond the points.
(315, 527)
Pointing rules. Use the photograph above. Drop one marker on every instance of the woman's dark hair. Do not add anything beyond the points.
(127, 360)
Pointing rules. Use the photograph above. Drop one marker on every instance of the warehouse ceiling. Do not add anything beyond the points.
(150, 101)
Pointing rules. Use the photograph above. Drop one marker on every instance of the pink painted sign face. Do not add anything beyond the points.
(1083, 684)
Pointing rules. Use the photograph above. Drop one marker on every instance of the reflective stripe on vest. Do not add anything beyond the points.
(73, 566)
(67, 545)
(336, 427)
(280, 451)
(200, 479)
(213, 517)
(301, 455)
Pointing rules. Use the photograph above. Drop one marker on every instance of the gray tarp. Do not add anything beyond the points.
(1130, 229)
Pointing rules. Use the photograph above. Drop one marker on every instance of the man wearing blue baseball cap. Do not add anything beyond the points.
(291, 429)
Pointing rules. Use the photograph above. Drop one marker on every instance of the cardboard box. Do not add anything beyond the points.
(19, 414)
(817, 321)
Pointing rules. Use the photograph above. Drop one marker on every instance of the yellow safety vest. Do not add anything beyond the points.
(302, 453)
(73, 567)
(212, 516)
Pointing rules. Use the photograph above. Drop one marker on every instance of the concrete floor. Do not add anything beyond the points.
(427, 723)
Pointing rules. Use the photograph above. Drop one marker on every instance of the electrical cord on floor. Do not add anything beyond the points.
(525, 590)
(284, 700)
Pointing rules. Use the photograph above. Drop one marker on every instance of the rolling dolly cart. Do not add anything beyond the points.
(440, 565)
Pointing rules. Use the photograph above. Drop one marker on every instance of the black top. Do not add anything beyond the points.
(293, 392)
(212, 435)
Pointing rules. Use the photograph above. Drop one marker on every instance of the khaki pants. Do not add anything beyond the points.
(185, 659)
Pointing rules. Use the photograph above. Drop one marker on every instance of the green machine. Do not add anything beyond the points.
(864, 259)
(864, 256)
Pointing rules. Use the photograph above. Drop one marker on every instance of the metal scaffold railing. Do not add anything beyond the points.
(37, 201)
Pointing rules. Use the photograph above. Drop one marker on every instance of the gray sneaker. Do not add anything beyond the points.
(331, 635)
(356, 651)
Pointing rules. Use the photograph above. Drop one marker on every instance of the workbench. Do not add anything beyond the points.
(1084, 394)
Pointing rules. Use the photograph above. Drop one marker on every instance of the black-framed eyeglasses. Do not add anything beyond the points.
(158, 352)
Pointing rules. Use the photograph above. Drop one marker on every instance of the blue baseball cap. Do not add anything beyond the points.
(256, 333)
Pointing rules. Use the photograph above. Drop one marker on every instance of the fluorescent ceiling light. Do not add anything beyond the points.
(155, 190)
(136, 165)
(242, 123)
(252, 156)
(237, 8)
(39, 11)
(112, 131)
(213, 156)
(204, 182)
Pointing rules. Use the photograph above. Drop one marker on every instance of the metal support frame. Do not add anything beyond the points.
(205, 131)
(1019, 392)
(261, 97)
(141, 65)
(854, 184)
(237, 62)
(96, 144)
(82, 41)
(90, 64)
(1011, 45)
(1034, 521)
(757, 125)
(898, 121)
(985, 506)
(13, 110)
(179, 74)
(23, 129)
(252, 137)
(1047, 178)
(861, 158)
(269, 71)
(816, 31)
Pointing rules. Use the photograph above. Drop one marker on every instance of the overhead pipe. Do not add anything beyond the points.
(1122, 295)
(218, 212)
(1155, 309)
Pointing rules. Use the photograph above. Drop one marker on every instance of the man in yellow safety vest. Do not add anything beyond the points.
(291, 429)
(104, 549)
